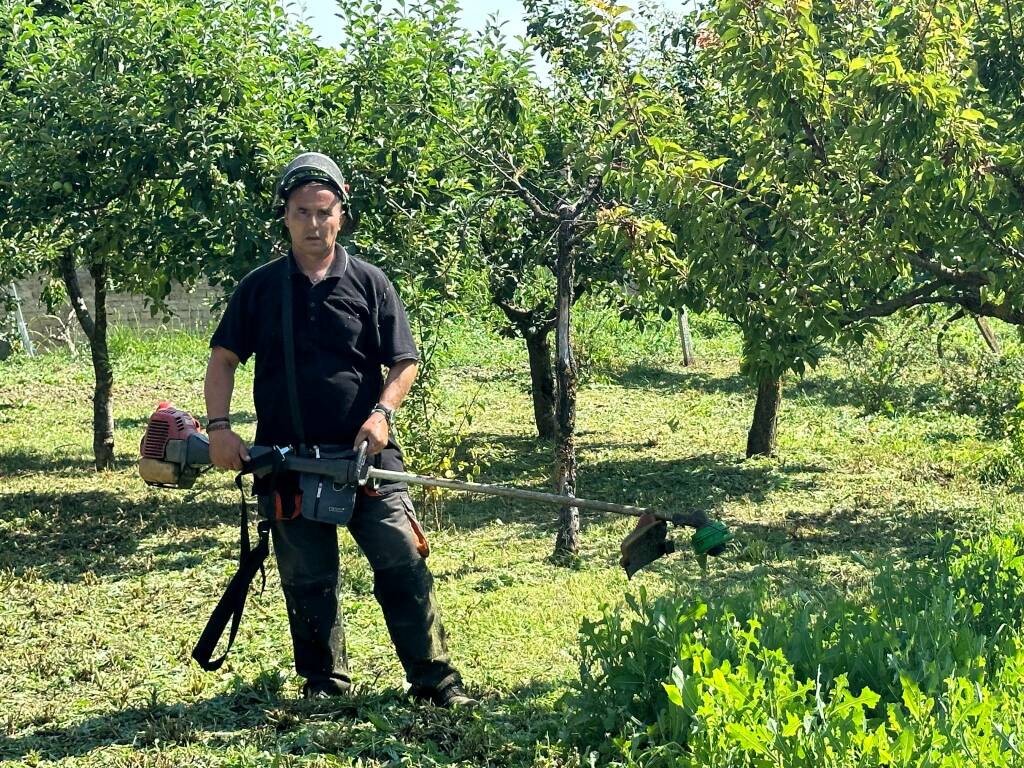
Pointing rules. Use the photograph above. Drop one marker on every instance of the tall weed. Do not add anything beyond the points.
(893, 370)
(985, 386)
(1006, 464)
(930, 664)
(605, 344)
(431, 430)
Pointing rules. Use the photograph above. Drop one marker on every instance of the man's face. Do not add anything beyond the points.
(314, 217)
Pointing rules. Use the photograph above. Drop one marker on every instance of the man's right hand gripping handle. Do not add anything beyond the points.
(227, 450)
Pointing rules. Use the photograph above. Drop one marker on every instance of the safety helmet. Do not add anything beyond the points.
(312, 166)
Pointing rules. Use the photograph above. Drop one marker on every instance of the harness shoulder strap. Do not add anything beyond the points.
(250, 561)
(288, 336)
(232, 602)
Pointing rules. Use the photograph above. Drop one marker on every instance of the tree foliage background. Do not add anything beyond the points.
(804, 168)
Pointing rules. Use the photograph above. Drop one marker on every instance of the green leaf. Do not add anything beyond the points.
(619, 126)
(673, 694)
(746, 738)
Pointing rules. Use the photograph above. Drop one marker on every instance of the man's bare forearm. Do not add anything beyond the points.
(227, 449)
(398, 383)
(220, 382)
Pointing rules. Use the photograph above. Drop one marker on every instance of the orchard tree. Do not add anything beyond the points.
(865, 157)
(137, 141)
(537, 149)
(542, 154)
(469, 159)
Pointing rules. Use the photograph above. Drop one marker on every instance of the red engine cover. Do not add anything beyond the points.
(167, 423)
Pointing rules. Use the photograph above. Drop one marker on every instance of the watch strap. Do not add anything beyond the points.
(387, 413)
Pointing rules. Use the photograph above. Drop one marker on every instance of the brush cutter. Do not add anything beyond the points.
(174, 452)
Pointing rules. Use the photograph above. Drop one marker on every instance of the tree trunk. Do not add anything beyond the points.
(684, 337)
(535, 325)
(95, 327)
(542, 381)
(567, 541)
(763, 429)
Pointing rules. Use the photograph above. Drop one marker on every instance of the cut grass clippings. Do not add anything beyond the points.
(105, 583)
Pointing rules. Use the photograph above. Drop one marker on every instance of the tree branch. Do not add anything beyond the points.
(519, 317)
(1015, 181)
(921, 295)
(945, 274)
(991, 340)
(1003, 311)
(971, 302)
(593, 186)
(514, 186)
(958, 314)
(1003, 247)
(809, 133)
(513, 182)
(580, 231)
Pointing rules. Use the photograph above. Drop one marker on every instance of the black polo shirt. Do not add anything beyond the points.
(346, 327)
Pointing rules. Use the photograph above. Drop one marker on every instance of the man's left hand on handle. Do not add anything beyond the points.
(375, 432)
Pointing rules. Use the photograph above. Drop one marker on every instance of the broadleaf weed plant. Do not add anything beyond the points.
(927, 670)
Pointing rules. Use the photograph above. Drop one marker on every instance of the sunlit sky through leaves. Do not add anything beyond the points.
(320, 15)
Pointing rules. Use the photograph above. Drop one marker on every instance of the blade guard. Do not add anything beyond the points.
(646, 543)
(649, 541)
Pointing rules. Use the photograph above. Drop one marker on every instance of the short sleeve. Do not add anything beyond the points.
(234, 332)
(396, 342)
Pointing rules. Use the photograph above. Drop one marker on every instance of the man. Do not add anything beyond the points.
(348, 323)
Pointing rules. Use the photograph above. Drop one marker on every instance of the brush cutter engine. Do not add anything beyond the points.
(174, 452)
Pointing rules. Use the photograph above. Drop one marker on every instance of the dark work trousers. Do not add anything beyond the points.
(307, 559)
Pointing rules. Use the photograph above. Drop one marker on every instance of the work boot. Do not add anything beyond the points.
(324, 688)
(406, 596)
(450, 696)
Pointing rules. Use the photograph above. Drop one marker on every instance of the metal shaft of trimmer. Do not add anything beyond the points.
(692, 519)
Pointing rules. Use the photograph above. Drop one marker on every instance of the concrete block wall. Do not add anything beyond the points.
(190, 310)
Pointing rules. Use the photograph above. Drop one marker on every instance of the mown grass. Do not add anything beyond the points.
(105, 583)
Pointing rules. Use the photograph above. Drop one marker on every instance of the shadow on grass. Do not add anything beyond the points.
(640, 376)
(833, 391)
(369, 725)
(63, 536)
(12, 462)
(890, 532)
(818, 387)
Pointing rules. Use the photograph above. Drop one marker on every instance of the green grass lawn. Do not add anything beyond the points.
(105, 583)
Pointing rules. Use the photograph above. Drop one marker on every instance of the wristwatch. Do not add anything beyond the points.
(387, 413)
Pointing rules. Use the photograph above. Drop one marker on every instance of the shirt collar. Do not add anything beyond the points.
(337, 268)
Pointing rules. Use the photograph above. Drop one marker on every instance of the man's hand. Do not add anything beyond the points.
(227, 450)
(375, 432)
